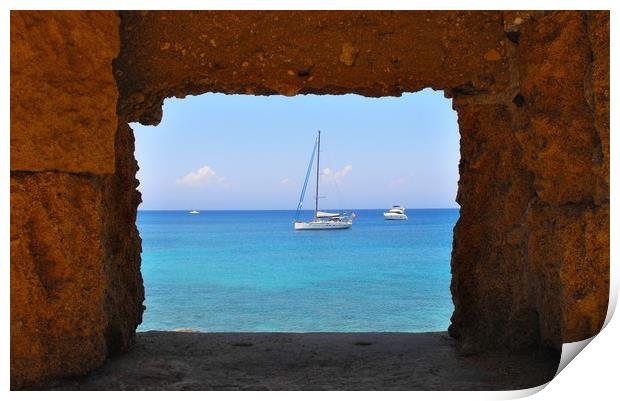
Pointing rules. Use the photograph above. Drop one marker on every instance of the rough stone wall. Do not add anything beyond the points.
(167, 54)
(534, 190)
(63, 96)
(71, 243)
(57, 283)
(563, 135)
(123, 304)
(531, 248)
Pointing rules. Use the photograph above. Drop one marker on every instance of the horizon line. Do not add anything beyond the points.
(287, 210)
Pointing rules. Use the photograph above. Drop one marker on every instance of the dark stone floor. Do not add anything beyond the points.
(310, 361)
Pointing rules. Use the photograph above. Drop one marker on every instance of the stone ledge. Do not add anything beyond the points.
(168, 360)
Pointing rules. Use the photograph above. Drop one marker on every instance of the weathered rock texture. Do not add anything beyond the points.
(76, 289)
(266, 53)
(63, 94)
(57, 280)
(534, 192)
(531, 248)
(122, 245)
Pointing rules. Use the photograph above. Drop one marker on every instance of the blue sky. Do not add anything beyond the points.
(229, 152)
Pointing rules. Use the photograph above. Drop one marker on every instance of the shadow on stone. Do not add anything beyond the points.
(311, 361)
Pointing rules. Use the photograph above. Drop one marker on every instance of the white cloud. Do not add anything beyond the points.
(344, 172)
(203, 175)
(285, 181)
(330, 174)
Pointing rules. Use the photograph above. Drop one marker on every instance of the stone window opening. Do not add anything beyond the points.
(530, 258)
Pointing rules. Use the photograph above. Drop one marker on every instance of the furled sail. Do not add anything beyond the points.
(326, 214)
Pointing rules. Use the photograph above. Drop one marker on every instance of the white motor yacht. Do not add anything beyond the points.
(395, 213)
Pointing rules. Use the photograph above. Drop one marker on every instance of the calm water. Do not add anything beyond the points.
(250, 271)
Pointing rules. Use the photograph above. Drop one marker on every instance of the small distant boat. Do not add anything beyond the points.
(322, 220)
(194, 212)
(395, 213)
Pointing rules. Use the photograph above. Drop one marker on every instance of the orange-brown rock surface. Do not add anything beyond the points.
(122, 246)
(531, 248)
(63, 124)
(57, 279)
(370, 53)
(534, 193)
(63, 94)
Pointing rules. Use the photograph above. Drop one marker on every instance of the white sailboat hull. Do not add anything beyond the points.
(394, 216)
(323, 225)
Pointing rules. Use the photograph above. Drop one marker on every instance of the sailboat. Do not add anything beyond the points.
(322, 220)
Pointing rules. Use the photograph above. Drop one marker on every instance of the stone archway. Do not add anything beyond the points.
(530, 258)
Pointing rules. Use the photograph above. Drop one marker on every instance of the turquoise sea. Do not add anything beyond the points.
(250, 271)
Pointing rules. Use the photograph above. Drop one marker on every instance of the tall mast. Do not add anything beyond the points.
(318, 169)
